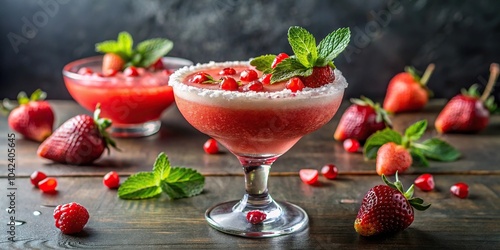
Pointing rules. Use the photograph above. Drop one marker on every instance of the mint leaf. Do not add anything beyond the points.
(416, 130)
(108, 47)
(379, 138)
(289, 68)
(418, 158)
(303, 45)
(332, 45)
(439, 150)
(182, 183)
(152, 50)
(140, 186)
(263, 63)
(125, 43)
(161, 167)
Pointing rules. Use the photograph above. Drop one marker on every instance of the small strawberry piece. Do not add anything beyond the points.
(71, 218)
(131, 71)
(425, 182)
(460, 190)
(392, 158)
(256, 216)
(111, 180)
(227, 72)
(80, 140)
(48, 185)
(228, 83)
(309, 176)
(85, 71)
(201, 77)
(266, 79)
(211, 146)
(329, 171)
(253, 86)
(158, 65)
(36, 177)
(295, 84)
(111, 61)
(387, 209)
(248, 75)
(110, 72)
(360, 120)
(319, 77)
(351, 145)
(280, 57)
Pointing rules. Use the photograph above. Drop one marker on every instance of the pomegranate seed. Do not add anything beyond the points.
(85, 71)
(253, 86)
(48, 185)
(110, 72)
(425, 182)
(329, 171)
(460, 190)
(248, 75)
(36, 177)
(158, 65)
(111, 180)
(280, 57)
(98, 74)
(131, 71)
(201, 77)
(309, 176)
(266, 79)
(228, 83)
(211, 146)
(227, 71)
(351, 145)
(295, 84)
(256, 216)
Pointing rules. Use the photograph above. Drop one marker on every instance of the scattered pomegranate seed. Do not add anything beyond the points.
(131, 71)
(248, 75)
(351, 145)
(48, 185)
(253, 86)
(280, 57)
(266, 79)
(309, 176)
(425, 182)
(460, 190)
(227, 71)
(111, 180)
(295, 84)
(158, 65)
(211, 146)
(36, 177)
(256, 216)
(228, 83)
(201, 77)
(329, 171)
(85, 71)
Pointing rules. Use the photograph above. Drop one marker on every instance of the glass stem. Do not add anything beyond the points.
(256, 177)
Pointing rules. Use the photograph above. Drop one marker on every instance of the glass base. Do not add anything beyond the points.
(135, 130)
(282, 218)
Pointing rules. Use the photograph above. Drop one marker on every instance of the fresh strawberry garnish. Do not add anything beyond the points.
(469, 112)
(361, 119)
(329, 171)
(392, 158)
(309, 176)
(211, 146)
(387, 209)
(280, 57)
(80, 140)
(111, 180)
(32, 117)
(248, 75)
(295, 84)
(228, 83)
(425, 182)
(256, 216)
(460, 190)
(407, 91)
(36, 177)
(71, 218)
(112, 62)
(351, 145)
(319, 77)
(48, 185)
(227, 72)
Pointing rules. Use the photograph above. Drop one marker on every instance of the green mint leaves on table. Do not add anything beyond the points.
(176, 182)
(433, 149)
(306, 54)
(145, 53)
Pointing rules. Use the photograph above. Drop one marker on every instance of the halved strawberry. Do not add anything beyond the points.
(319, 77)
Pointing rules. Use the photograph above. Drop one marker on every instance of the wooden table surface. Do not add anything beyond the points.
(450, 223)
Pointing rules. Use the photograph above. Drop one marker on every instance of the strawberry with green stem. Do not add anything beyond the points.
(469, 112)
(312, 63)
(390, 156)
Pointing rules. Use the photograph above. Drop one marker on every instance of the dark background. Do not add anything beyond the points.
(460, 37)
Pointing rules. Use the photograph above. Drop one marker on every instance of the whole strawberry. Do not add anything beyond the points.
(392, 158)
(361, 119)
(319, 77)
(468, 112)
(33, 118)
(71, 218)
(112, 63)
(407, 91)
(80, 140)
(387, 209)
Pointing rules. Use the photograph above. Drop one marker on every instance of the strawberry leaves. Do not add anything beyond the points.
(415, 202)
(433, 149)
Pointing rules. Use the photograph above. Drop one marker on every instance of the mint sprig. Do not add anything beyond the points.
(176, 182)
(307, 54)
(431, 149)
(144, 55)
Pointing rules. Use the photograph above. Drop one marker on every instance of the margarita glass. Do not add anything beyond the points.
(257, 127)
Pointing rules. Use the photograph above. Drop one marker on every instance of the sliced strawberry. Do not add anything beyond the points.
(319, 77)
(111, 62)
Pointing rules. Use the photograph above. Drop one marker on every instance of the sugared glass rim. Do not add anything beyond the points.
(176, 81)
